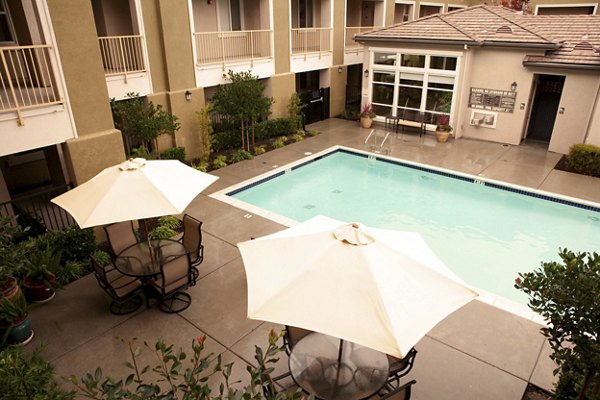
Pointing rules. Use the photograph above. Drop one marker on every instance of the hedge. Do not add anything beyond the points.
(584, 159)
(231, 139)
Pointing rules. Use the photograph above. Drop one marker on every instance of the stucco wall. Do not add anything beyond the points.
(496, 69)
(82, 64)
(593, 134)
(205, 16)
(577, 99)
(280, 87)
(281, 36)
(337, 99)
(338, 32)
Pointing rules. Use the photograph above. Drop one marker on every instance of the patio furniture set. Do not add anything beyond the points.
(159, 268)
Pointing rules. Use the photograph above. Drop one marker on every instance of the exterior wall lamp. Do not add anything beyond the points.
(188, 95)
(513, 87)
(366, 73)
(340, 69)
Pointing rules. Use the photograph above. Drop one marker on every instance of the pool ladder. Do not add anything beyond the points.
(372, 139)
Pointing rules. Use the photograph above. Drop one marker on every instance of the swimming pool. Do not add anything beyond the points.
(485, 231)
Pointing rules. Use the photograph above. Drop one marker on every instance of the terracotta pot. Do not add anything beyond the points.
(442, 136)
(9, 288)
(39, 291)
(366, 122)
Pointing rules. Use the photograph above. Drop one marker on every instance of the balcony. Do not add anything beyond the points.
(124, 65)
(224, 48)
(353, 51)
(311, 48)
(26, 80)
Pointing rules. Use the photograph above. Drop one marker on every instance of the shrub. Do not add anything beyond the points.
(226, 140)
(173, 153)
(350, 114)
(142, 152)
(260, 150)
(295, 107)
(205, 132)
(202, 166)
(220, 161)
(584, 159)
(76, 244)
(273, 127)
(297, 137)
(240, 155)
(312, 132)
(279, 142)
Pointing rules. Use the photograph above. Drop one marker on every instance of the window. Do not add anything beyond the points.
(305, 13)
(402, 13)
(565, 10)
(383, 91)
(230, 15)
(384, 59)
(444, 63)
(425, 10)
(7, 33)
(413, 60)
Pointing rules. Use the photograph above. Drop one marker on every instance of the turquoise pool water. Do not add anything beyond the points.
(485, 234)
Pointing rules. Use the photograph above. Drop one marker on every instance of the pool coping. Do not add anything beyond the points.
(484, 296)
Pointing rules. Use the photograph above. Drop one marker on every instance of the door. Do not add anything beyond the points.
(548, 89)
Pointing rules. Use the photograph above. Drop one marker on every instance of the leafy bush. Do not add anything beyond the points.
(241, 155)
(350, 114)
(584, 159)
(176, 375)
(173, 153)
(220, 161)
(142, 152)
(76, 244)
(258, 150)
(202, 166)
(273, 127)
(279, 142)
(226, 140)
(297, 137)
(312, 132)
(205, 132)
(167, 227)
(295, 107)
(29, 377)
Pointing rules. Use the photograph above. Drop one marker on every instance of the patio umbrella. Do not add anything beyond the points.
(379, 288)
(135, 189)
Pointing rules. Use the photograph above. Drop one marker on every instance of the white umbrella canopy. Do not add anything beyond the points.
(135, 189)
(385, 293)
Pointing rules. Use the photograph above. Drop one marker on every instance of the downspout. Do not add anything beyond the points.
(462, 104)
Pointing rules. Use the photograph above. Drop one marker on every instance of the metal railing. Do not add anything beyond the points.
(27, 79)
(39, 208)
(227, 46)
(311, 40)
(122, 55)
(352, 31)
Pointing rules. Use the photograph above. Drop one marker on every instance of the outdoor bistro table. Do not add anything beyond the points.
(321, 367)
(140, 261)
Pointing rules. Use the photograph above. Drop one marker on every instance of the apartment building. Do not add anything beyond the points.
(63, 60)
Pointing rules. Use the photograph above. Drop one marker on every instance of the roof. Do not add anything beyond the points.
(569, 40)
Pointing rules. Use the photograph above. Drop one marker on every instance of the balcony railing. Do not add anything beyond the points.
(122, 55)
(352, 31)
(26, 79)
(311, 40)
(228, 46)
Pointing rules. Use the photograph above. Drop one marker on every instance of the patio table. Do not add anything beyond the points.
(321, 367)
(145, 259)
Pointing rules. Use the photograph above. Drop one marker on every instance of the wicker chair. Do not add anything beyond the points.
(125, 291)
(120, 236)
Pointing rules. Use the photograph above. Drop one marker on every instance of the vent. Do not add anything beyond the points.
(505, 29)
(584, 46)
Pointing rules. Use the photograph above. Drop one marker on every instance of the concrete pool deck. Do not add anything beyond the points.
(479, 352)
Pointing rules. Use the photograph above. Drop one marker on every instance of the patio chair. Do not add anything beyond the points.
(192, 241)
(125, 291)
(292, 336)
(400, 393)
(120, 235)
(399, 367)
(176, 274)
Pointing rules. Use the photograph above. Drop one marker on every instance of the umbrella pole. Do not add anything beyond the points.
(148, 239)
(339, 360)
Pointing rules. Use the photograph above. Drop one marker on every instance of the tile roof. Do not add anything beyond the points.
(569, 40)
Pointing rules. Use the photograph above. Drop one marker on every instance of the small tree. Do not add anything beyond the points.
(295, 107)
(143, 120)
(205, 132)
(567, 295)
(244, 100)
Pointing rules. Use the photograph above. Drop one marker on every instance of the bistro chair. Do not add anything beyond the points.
(292, 336)
(192, 241)
(400, 393)
(125, 291)
(399, 367)
(175, 275)
(120, 235)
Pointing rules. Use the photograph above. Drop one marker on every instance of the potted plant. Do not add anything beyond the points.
(15, 326)
(367, 115)
(443, 129)
(39, 279)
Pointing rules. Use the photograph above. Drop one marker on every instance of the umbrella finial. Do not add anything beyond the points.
(132, 164)
(353, 234)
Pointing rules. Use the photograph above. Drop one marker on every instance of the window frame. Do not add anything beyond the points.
(5, 13)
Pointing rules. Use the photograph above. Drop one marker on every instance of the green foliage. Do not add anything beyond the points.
(294, 108)
(368, 111)
(205, 132)
(177, 375)
(566, 294)
(29, 377)
(244, 100)
(142, 119)
(11, 255)
(41, 263)
(226, 140)
(258, 150)
(584, 159)
(202, 166)
(220, 161)
(13, 310)
(350, 114)
(101, 257)
(75, 244)
(142, 152)
(279, 142)
(312, 132)
(173, 153)
(240, 155)
(273, 127)
(297, 137)
(70, 271)
(167, 227)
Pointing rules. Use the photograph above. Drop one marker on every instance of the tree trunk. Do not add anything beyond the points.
(586, 384)
(156, 147)
(243, 143)
(253, 132)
